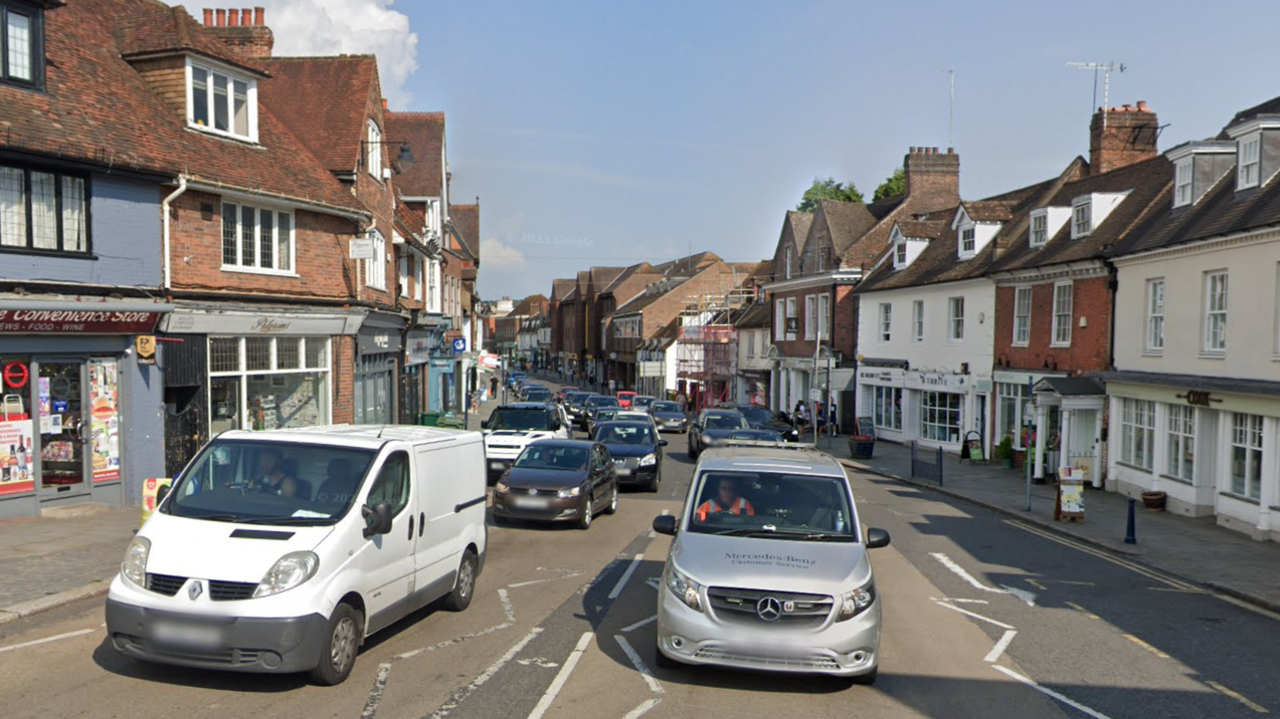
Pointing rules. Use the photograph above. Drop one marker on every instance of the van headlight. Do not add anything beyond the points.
(648, 459)
(567, 493)
(134, 566)
(856, 602)
(685, 588)
(288, 572)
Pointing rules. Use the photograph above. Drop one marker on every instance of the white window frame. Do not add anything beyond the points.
(404, 275)
(375, 270)
(900, 254)
(1039, 228)
(1216, 300)
(779, 319)
(917, 321)
(937, 410)
(955, 320)
(1017, 393)
(251, 100)
(885, 327)
(285, 269)
(1155, 315)
(791, 312)
(1022, 315)
(968, 240)
(373, 159)
(242, 374)
(751, 345)
(1081, 218)
(1137, 433)
(1180, 441)
(810, 317)
(788, 265)
(1249, 173)
(1182, 183)
(1063, 313)
(824, 316)
(1246, 454)
(419, 270)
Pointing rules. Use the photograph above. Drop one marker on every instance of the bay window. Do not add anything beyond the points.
(1137, 432)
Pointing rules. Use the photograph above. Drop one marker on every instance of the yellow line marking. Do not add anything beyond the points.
(1238, 697)
(1036, 583)
(1146, 646)
(1082, 610)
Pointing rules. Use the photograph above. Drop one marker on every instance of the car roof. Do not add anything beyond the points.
(623, 423)
(794, 459)
(581, 443)
(363, 436)
(526, 405)
(721, 411)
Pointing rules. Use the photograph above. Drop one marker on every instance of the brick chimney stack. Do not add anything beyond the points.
(243, 29)
(1130, 137)
(933, 179)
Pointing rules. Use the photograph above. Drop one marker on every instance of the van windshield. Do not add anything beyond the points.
(520, 419)
(260, 482)
(773, 505)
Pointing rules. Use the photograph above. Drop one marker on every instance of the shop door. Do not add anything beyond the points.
(65, 429)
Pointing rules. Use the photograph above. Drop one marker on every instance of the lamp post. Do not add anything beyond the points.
(818, 352)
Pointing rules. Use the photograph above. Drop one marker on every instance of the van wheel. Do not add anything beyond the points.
(584, 521)
(465, 585)
(613, 501)
(338, 652)
(662, 661)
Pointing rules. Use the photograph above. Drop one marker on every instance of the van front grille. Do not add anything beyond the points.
(794, 610)
(165, 584)
(231, 591)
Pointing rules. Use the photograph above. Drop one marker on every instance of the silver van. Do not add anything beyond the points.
(769, 568)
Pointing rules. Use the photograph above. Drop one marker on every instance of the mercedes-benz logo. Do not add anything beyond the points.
(533, 493)
(769, 609)
(195, 590)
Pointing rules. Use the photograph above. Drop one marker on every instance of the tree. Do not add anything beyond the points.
(894, 185)
(827, 189)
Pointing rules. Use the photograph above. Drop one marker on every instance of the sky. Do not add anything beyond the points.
(604, 133)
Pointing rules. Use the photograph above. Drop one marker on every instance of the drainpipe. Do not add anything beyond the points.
(164, 212)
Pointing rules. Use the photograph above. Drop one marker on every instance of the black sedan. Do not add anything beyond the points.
(669, 416)
(636, 450)
(558, 480)
(574, 404)
(713, 427)
(755, 435)
(761, 418)
(592, 405)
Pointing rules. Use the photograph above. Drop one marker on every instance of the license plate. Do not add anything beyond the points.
(531, 502)
(497, 465)
(623, 471)
(188, 635)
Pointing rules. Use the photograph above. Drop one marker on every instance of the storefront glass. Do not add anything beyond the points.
(373, 388)
(16, 427)
(268, 382)
(940, 416)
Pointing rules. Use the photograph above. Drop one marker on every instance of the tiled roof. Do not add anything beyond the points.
(754, 315)
(923, 229)
(763, 271)
(97, 109)
(626, 274)
(466, 219)
(798, 222)
(848, 222)
(323, 100)
(150, 29)
(409, 222)
(424, 131)
(936, 263)
(988, 210)
(561, 288)
(530, 305)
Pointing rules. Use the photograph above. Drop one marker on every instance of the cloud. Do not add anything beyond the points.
(504, 272)
(335, 27)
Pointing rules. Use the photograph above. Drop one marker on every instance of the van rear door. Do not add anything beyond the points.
(451, 478)
(388, 559)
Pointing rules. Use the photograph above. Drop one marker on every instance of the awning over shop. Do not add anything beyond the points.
(1071, 386)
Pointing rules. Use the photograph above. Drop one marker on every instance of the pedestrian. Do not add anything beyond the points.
(493, 386)
(613, 386)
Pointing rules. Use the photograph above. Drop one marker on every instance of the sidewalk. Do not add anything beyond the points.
(1195, 549)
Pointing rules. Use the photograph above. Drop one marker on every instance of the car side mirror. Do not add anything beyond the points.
(161, 493)
(484, 424)
(877, 538)
(665, 524)
(377, 519)
(662, 443)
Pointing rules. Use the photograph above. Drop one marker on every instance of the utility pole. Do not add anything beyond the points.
(951, 109)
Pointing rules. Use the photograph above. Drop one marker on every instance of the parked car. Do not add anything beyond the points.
(558, 481)
(713, 427)
(594, 403)
(805, 601)
(515, 378)
(624, 398)
(761, 418)
(285, 549)
(670, 416)
(636, 450)
(755, 435)
(511, 427)
(642, 402)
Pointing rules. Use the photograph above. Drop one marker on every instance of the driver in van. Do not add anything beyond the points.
(727, 499)
(340, 485)
(273, 478)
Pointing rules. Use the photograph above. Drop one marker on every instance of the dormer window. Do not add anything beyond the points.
(20, 43)
(1250, 162)
(1081, 220)
(1182, 183)
(900, 254)
(221, 102)
(1039, 229)
(1198, 166)
(967, 241)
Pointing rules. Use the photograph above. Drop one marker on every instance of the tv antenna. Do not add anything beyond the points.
(951, 108)
(1106, 68)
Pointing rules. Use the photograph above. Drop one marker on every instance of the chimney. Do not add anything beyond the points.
(1129, 137)
(244, 30)
(208, 17)
(933, 179)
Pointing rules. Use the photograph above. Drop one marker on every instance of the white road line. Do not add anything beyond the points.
(653, 582)
(507, 609)
(532, 582)
(966, 612)
(958, 600)
(46, 640)
(375, 694)
(460, 695)
(1051, 693)
(622, 581)
(959, 571)
(562, 676)
(643, 709)
(994, 655)
(451, 642)
(639, 664)
(637, 625)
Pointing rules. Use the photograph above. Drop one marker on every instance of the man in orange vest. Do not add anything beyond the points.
(727, 500)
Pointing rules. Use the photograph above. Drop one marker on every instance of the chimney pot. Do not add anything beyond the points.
(259, 16)
(246, 16)
(233, 17)
(221, 17)
(951, 150)
(1142, 106)
(208, 17)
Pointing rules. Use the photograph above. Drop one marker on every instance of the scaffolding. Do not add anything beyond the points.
(707, 346)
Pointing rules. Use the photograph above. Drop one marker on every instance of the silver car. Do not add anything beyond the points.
(769, 569)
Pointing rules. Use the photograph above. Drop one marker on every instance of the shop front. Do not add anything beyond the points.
(937, 409)
(418, 346)
(78, 417)
(378, 347)
(442, 387)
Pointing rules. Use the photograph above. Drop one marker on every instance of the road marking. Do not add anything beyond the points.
(460, 695)
(1037, 584)
(451, 642)
(1177, 590)
(532, 582)
(959, 600)
(1102, 555)
(1068, 581)
(631, 628)
(562, 676)
(994, 655)
(643, 709)
(622, 581)
(538, 662)
(1051, 693)
(1024, 595)
(46, 640)
(1146, 646)
(375, 694)
(975, 615)
(1239, 697)
(639, 664)
(653, 582)
(1082, 610)
(507, 609)
(959, 571)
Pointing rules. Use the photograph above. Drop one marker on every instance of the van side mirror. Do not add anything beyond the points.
(161, 493)
(665, 524)
(877, 538)
(377, 519)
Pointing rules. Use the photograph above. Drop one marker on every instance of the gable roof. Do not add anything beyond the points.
(561, 288)
(424, 131)
(798, 223)
(466, 220)
(323, 101)
(153, 29)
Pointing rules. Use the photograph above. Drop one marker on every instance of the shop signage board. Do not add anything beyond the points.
(361, 248)
(77, 321)
(261, 324)
(866, 426)
(459, 346)
(145, 345)
(1070, 499)
(17, 473)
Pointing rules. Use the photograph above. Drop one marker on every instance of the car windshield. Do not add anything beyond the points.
(553, 456)
(606, 414)
(259, 482)
(520, 419)
(603, 402)
(640, 402)
(576, 397)
(625, 434)
(726, 421)
(666, 407)
(773, 505)
(756, 414)
(537, 393)
(756, 435)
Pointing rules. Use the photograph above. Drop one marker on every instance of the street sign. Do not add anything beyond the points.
(361, 248)
(459, 346)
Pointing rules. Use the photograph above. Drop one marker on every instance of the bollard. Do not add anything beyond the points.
(1129, 535)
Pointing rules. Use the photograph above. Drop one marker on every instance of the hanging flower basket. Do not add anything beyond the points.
(862, 446)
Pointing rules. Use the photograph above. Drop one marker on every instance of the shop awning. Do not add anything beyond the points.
(215, 319)
(1071, 386)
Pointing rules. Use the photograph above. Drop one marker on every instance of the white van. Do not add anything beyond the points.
(512, 427)
(282, 551)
